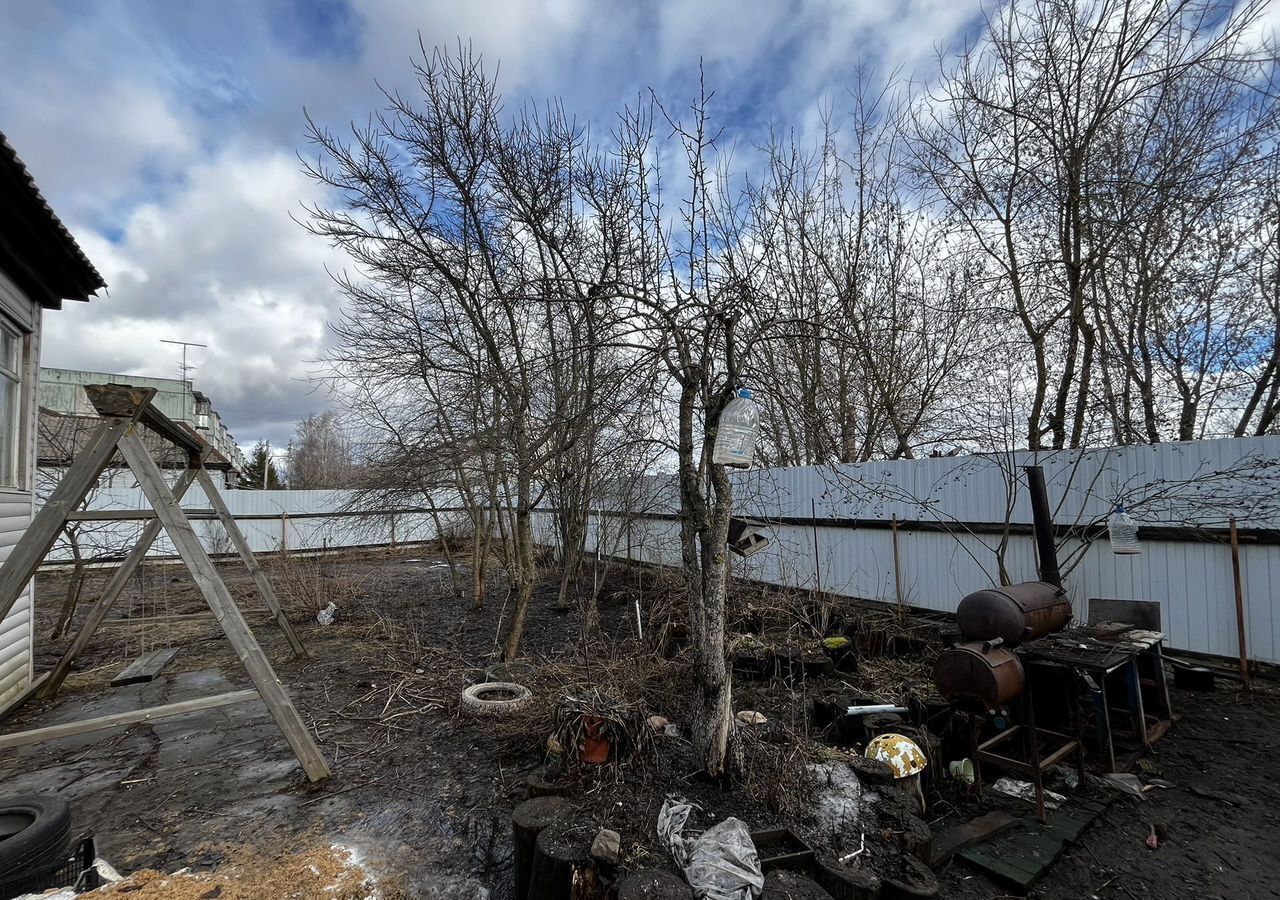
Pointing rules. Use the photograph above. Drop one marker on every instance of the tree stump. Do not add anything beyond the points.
(563, 868)
(913, 880)
(784, 884)
(654, 884)
(527, 822)
(847, 881)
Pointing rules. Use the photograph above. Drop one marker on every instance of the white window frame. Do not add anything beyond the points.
(15, 372)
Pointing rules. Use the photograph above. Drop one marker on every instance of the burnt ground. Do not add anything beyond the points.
(426, 791)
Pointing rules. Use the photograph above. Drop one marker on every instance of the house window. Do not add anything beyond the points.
(10, 404)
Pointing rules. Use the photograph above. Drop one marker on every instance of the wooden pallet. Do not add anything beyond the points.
(1022, 854)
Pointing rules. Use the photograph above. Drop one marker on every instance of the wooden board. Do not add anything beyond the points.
(960, 837)
(70, 729)
(183, 618)
(1022, 854)
(146, 667)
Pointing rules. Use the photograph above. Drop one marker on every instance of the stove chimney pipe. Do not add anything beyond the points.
(1046, 549)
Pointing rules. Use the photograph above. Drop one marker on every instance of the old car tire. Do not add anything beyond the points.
(479, 699)
(35, 839)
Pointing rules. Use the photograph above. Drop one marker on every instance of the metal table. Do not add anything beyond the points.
(1108, 652)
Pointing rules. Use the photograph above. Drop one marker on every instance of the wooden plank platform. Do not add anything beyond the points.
(146, 667)
(1022, 854)
(960, 837)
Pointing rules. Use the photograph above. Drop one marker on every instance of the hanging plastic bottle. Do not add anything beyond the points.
(1124, 533)
(738, 432)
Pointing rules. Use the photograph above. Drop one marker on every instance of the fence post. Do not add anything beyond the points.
(393, 531)
(897, 565)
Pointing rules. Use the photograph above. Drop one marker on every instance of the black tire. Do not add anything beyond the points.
(35, 840)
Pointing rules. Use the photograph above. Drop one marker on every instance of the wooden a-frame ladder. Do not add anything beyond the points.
(125, 411)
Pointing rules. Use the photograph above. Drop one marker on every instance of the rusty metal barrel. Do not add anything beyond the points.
(979, 676)
(1016, 613)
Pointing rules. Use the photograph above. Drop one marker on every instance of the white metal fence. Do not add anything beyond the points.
(270, 520)
(831, 529)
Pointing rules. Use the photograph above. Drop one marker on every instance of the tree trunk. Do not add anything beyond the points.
(445, 549)
(712, 725)
(74, 586)
(525, 560)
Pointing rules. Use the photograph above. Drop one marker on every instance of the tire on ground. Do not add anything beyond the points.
(35, 838)
(479, 699)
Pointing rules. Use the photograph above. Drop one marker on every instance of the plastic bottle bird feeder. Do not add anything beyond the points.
(1123, 532)
(737, 431)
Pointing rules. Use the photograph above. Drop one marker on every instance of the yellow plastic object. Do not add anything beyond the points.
(900, 752)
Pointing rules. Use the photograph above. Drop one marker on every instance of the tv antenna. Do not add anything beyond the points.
(184, 370)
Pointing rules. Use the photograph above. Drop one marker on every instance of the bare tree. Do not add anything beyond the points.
(1033, 140)
(320, 454)
(476, 327)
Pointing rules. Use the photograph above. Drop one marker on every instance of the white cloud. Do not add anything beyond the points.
(166, 136)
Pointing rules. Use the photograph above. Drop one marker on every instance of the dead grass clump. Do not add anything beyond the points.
(622, 727)
(307, 584)
(774, 767)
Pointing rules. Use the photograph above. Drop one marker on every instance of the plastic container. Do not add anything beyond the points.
(1123, 532)
(738, 431)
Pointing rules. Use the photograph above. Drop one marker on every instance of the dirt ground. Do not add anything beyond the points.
(425, 792)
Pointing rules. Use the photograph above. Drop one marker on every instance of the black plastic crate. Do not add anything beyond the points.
(77, 872)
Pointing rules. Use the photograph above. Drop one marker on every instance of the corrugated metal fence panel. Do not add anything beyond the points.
(1195, 483)
(269, 521)
(1191, 580)
(1179, 483)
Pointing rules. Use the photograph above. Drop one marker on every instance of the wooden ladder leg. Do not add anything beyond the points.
(115, 587)
(250, 562)
(224, 608)
(40, 535)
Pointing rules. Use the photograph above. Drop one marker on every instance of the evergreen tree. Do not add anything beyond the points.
(260, 462)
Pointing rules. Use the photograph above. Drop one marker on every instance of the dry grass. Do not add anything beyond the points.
(311, 872)
(307, 584)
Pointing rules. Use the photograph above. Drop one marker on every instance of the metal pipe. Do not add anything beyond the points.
(878, 708)
(1046, 548)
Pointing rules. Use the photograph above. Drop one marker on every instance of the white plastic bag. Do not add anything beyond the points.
(719, 864)
(325, 616)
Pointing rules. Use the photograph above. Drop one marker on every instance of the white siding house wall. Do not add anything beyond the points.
(17, 506)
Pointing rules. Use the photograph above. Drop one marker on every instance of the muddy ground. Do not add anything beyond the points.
(426, 791)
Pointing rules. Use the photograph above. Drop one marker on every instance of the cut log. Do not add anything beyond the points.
(847, 881)
(563, 868)
(785, 884)
(913, 880)
(654, 884)
(146, 667)
(527, 822)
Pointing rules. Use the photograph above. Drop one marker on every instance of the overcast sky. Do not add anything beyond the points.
(166, 136)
